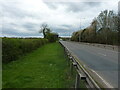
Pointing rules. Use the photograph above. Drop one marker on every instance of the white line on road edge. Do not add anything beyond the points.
(109, 86)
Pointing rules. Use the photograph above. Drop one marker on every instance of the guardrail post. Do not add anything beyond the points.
(70, 59)
(77, 83)
(104, 46)
(113, 47)
(71, 68)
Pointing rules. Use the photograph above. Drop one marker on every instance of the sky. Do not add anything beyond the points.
(23, 18)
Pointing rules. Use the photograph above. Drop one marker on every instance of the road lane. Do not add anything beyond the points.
(104, 62)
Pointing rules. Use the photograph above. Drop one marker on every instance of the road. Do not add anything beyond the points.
(102, 62)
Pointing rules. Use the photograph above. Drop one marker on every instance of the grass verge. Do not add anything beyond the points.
(45, 67)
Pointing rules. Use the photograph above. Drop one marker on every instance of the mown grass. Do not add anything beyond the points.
(45, 67)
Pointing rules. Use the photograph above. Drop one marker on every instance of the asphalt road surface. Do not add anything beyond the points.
(102, 62)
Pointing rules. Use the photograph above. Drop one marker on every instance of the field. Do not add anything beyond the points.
(45, 67)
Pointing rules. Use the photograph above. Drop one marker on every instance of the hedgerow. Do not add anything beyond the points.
(13, 48)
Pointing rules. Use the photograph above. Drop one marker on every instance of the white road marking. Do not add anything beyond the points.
(109, 86)
(102, 54)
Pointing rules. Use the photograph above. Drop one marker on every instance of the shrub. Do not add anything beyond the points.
(52, 37)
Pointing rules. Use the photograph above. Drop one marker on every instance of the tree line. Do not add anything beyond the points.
(103, 29)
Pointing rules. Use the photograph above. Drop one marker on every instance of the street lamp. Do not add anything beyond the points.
(80, 27)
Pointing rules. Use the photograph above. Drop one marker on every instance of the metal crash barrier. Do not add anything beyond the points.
(82, 74)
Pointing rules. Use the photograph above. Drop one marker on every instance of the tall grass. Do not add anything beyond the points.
(13, 48)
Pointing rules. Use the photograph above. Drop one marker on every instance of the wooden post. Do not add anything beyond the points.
(113, 47)
(77, 83)
(70, 58)
(71, 68)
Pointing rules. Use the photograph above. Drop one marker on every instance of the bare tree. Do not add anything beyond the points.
(44, 29)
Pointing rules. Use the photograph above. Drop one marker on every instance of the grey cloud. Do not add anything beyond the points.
(82, 6)
(14, 32)
(12, 11)
(93, 4)
(63, 32)
(52, 5)
(9, 10)
(74, 6)
(66, 25)
(10, 31)
(29, 25)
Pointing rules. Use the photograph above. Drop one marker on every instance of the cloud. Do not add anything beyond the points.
(24, 17)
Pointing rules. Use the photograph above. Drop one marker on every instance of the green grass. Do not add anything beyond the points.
(45, 67)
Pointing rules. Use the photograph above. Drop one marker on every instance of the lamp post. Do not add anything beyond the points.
(80, 28)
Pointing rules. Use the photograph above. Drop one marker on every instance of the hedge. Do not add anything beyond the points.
(13, 48)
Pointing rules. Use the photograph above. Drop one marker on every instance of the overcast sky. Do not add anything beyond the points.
(23, 18)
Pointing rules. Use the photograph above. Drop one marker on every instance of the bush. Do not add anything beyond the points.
(52, 37)
(13, 48)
